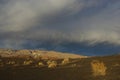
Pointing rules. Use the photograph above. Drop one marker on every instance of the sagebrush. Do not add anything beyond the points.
(98, 68)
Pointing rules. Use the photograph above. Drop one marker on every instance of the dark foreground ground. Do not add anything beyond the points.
(81, 71)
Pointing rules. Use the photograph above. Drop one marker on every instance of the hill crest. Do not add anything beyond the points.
(38, 53)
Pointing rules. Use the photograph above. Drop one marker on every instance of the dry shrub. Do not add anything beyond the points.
(65, 61)
(99, 69)
(11, 62)
(40, 64)
(52, 64)
(27, 62)
(48, 62)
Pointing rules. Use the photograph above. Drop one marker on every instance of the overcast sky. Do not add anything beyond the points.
(30, 22)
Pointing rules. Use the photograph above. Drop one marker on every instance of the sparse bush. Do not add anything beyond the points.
(52, 64)
(40, 64)
(11, 62)
(48, 62)
(65, 61)
(99, 69)
(27, 62)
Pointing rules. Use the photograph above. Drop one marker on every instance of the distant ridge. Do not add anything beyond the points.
(37, 54)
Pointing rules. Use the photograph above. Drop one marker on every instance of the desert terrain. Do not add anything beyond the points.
(51, 65)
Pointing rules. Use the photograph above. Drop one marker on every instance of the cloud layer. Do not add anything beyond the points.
(91, 21)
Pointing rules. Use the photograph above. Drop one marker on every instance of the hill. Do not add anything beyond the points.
(104, 68)
(37, 54)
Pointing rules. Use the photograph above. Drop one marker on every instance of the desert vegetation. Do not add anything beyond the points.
(40, 64)
(11, 62)
(28, 62)
(52, 64)
(65, 61)
(94, 68)
(33, 62)
(98, 68)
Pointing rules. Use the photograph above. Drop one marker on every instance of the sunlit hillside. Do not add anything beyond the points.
(30, 68)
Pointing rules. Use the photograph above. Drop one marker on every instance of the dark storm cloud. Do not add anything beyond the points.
(94, 21)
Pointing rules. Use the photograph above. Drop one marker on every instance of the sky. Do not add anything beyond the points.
(87, 27)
